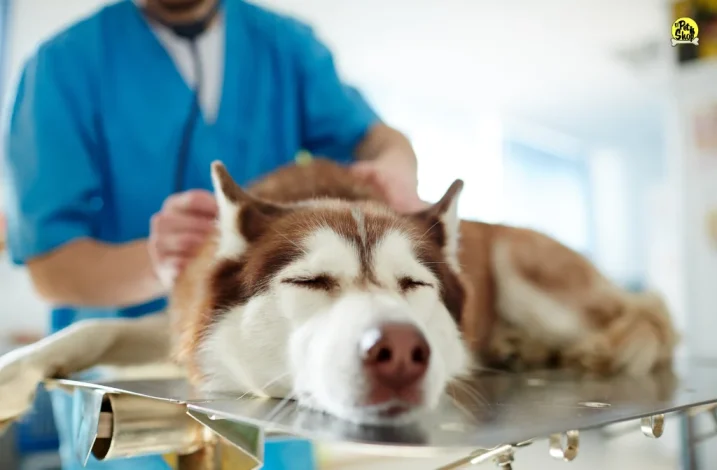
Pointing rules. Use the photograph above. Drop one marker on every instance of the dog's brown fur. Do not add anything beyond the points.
(615, 320)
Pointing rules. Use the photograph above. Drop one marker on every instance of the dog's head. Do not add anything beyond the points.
(346, 306)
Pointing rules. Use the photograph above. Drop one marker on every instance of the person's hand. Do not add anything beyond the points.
(178, 230)
(395, 178)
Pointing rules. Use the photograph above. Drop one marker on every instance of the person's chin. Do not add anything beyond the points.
(180, 6)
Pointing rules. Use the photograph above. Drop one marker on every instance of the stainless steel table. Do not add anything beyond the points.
(489, 418)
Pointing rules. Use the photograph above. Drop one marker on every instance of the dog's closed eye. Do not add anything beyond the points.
(408, 283)
(319, 282)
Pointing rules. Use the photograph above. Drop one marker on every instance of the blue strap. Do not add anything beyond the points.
(289, 454)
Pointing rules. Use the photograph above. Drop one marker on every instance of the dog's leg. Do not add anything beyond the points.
(118, 342)
(553, 294)
(527, 305)
(511, 348)
(641, 339)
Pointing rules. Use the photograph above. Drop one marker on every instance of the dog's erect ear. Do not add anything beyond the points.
(444, 223)
(242, 217)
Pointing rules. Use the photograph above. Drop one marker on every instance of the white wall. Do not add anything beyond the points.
(30, 22)
(695, 186)
(452, 143)
(609, 181)
(20, 309)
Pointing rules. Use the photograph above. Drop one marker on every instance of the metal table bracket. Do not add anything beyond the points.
(653, 426)
(569, 451)
(502, 414)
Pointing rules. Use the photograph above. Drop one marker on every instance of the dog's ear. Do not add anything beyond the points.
(444, 224)
(242, 217)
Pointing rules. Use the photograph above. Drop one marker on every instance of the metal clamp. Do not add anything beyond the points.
(569, 451)
(503, 456)
(653, 426)
(505, 460)
(478, 457)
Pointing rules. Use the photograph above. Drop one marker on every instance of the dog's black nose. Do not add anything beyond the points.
(395, 357)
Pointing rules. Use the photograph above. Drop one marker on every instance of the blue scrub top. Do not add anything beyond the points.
(97, 122)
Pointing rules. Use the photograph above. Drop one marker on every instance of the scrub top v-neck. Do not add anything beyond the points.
(100, 109)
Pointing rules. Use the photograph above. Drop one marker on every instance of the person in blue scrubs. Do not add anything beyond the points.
(108, 132)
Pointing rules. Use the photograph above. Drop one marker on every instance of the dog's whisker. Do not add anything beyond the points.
(465, 411)
(474, 398)
(301, 248)
(420, 239)
(430, 228)
(275, 414)
(471, 392)
(461, 407)
(264, 387)
(286, 410)
(491, 369)
(277, 408)
(431, 263)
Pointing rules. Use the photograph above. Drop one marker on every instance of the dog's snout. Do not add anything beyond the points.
(396, 357)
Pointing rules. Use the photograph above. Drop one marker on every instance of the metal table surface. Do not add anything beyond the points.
(492, 410)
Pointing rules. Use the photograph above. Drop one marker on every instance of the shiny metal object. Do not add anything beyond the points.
(505, 460)
(129, 418)
(481, 456)
(87, 406)
(653, 426)
(135, 425)
(496, 409)
(490, 411)
(247, 438)
(566, 452)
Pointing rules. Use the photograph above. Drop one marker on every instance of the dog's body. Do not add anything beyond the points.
(314, 289)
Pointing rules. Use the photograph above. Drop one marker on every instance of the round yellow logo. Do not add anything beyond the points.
(685, 31)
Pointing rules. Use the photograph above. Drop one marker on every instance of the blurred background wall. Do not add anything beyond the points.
(574, 118)
(27, 23)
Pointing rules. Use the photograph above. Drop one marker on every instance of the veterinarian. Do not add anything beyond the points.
(114, 125)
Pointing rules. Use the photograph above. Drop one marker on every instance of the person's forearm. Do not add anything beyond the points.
(91, 273)
(383, 141)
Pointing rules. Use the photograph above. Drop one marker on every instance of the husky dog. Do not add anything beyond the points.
(314, 289)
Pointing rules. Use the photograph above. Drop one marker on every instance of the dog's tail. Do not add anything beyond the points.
(643, 338)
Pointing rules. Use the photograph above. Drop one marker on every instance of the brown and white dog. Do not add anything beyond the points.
(314, 289)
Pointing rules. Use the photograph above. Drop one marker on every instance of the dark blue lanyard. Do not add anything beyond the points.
(191, 122)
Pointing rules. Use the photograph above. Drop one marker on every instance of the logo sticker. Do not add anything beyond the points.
(685, 31)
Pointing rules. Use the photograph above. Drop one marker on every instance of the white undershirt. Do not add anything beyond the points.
(210, 47)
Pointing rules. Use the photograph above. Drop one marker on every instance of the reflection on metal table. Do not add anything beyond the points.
(489, 418)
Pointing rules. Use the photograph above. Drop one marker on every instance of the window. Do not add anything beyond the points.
(549, 193)
(3, 65)
(514, 174)
(451, 144)
(4, 7)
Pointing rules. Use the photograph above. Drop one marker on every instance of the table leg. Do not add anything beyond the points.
(688, 454)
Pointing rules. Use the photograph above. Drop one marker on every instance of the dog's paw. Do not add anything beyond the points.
(591, 355)
(514, 350)
(19, 378)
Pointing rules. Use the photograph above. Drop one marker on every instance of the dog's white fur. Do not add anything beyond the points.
(524, 304)
(530, 295)
(287, 341)
(293, 341)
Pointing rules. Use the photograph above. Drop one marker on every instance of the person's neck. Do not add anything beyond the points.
(155, 10)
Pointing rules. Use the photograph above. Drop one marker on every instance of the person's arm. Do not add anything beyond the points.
(335, 117)
(338, 123)
(90, 273)
(54, 191)
(383, 141)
